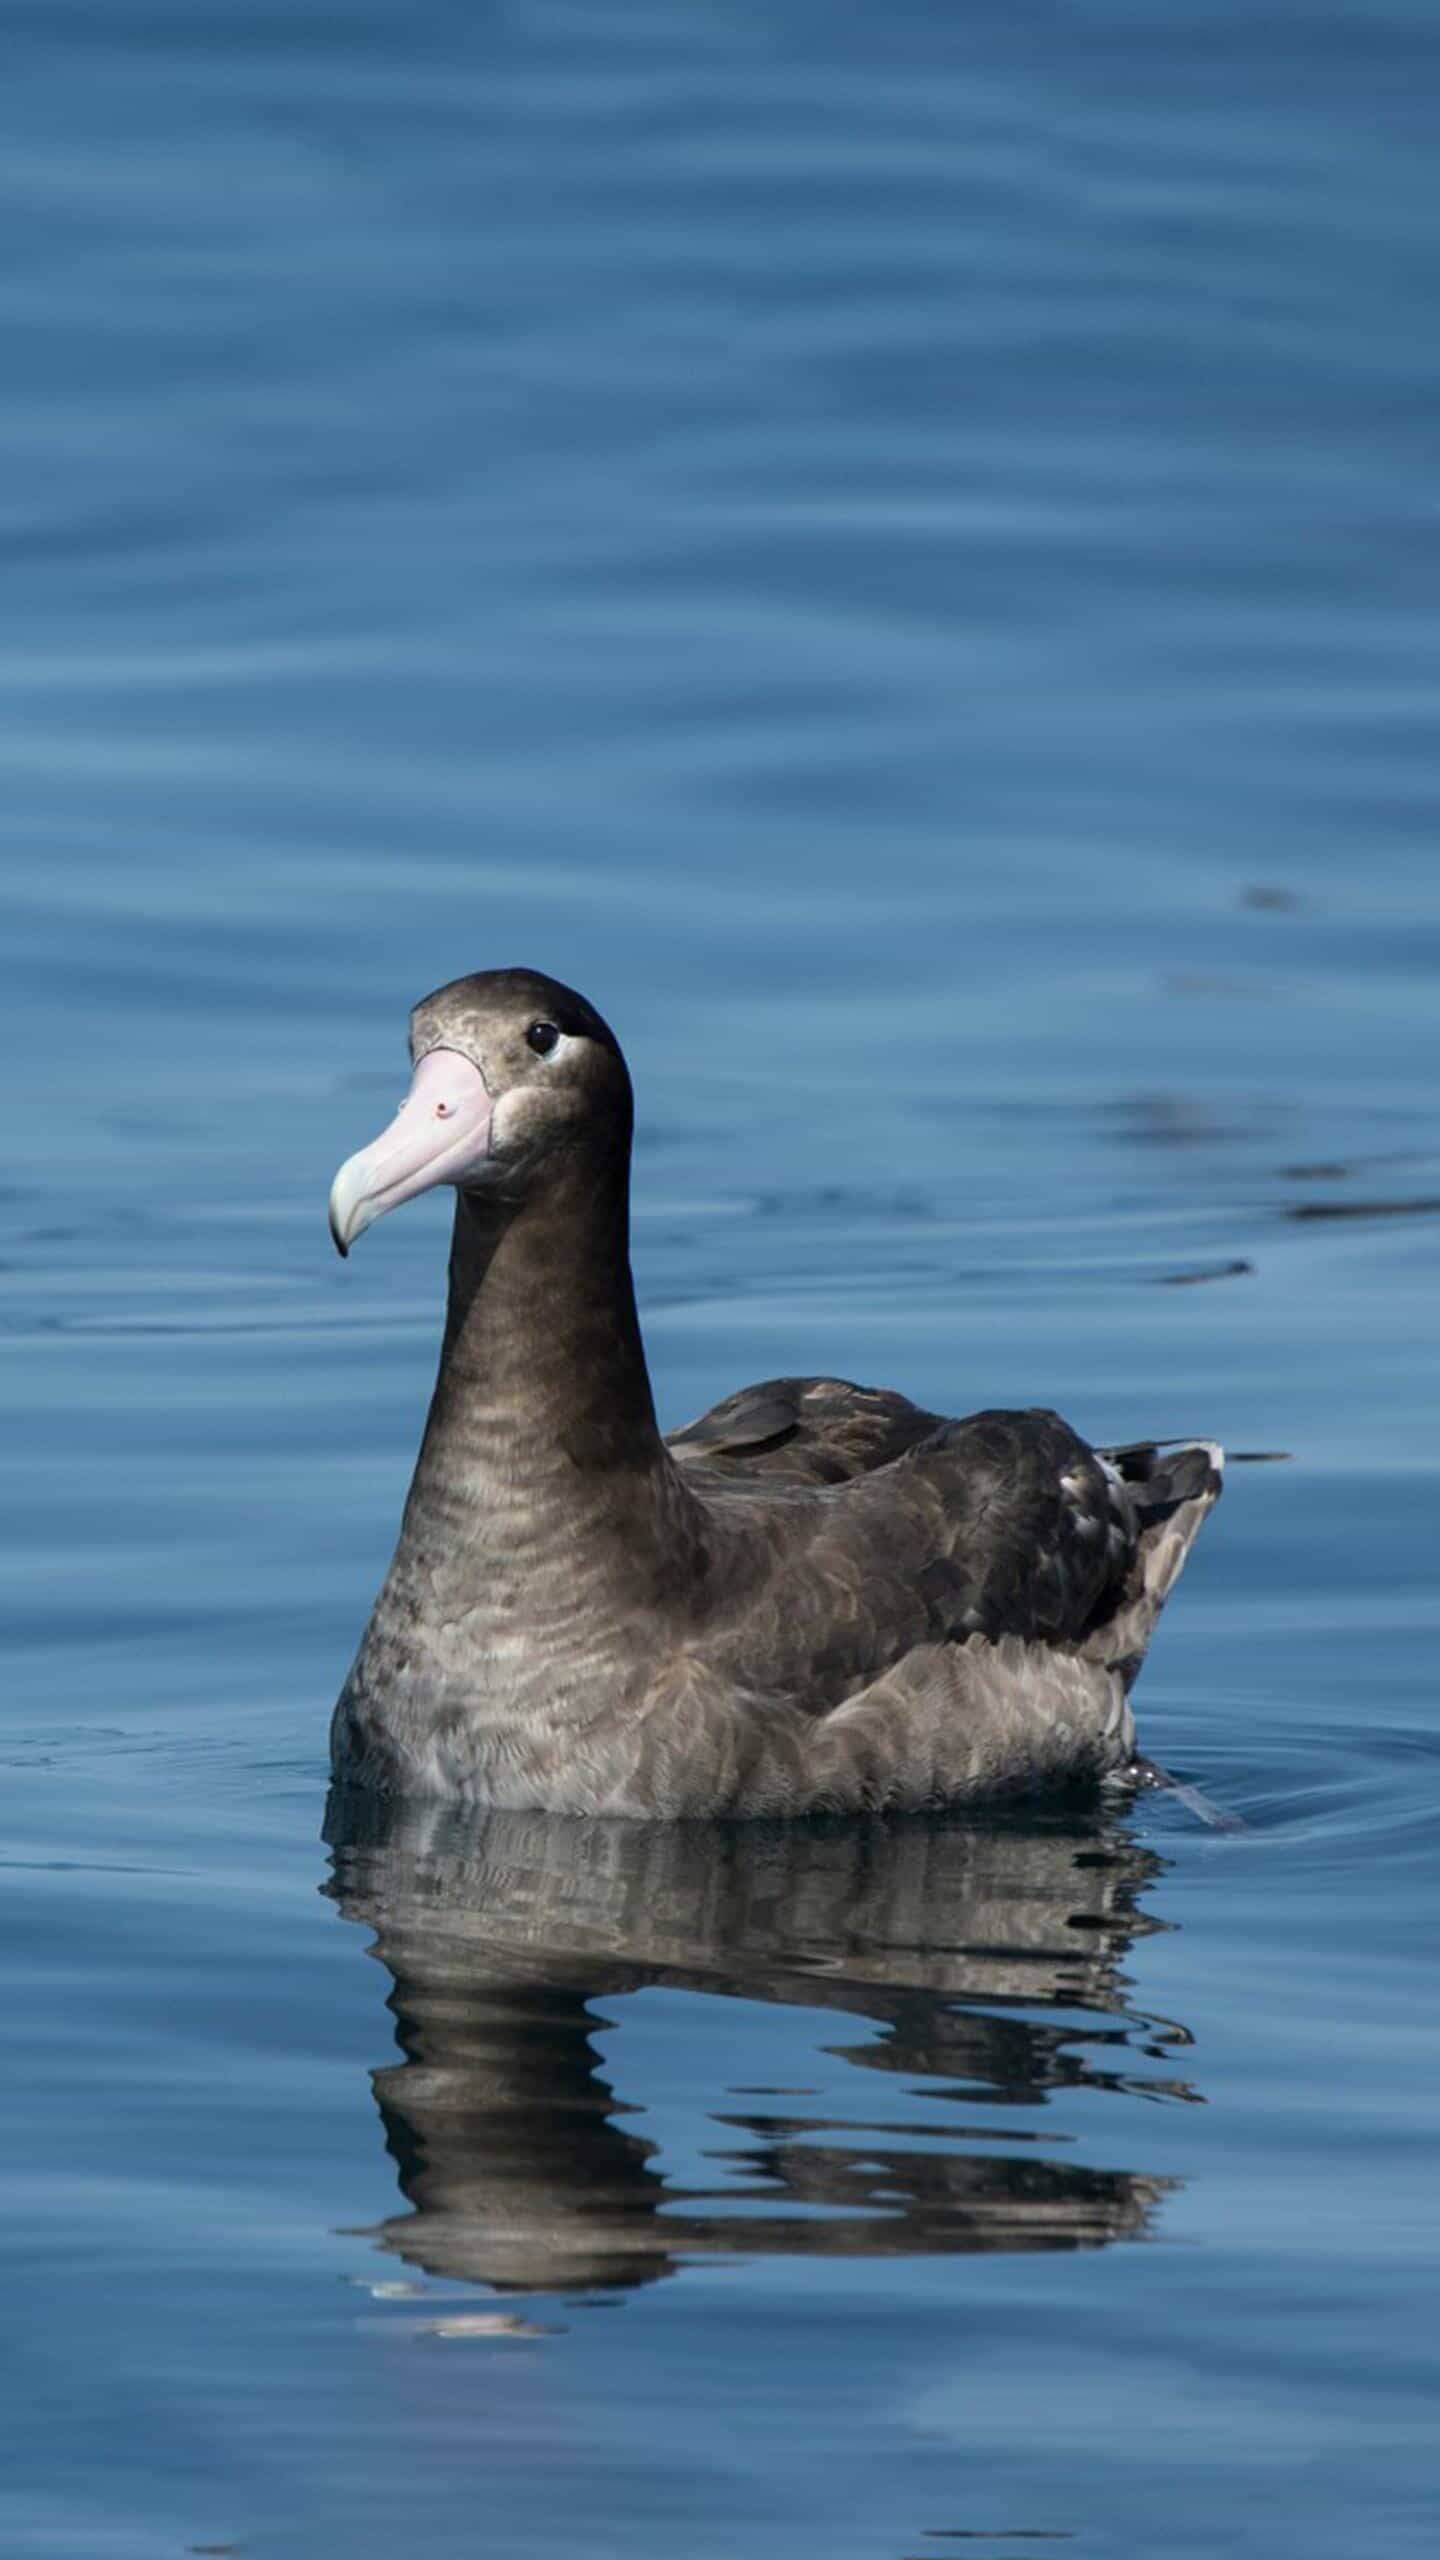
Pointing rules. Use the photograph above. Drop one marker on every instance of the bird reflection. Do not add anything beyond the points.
(989, 1960)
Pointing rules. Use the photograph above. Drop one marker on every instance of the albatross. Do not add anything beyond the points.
(816, 1598)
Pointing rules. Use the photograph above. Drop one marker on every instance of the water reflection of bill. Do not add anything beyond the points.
(989, 1959)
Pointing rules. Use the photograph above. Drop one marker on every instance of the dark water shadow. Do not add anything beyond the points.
(988, 1959)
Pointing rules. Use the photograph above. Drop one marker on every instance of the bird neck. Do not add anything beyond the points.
(542, 1378)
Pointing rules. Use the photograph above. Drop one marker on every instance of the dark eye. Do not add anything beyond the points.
(542, 1037)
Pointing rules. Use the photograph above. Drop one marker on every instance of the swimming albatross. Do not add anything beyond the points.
(817, 1597)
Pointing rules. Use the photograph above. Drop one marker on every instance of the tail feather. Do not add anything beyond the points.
(1171, 1488)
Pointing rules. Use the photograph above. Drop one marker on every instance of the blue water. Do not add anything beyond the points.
(895, 548)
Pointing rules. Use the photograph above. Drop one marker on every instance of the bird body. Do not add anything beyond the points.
(816, 1597)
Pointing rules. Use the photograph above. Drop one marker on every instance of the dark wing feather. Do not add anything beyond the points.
(1005, 1524)
(1036, 1535)
(1054, 1541)
(811, 1431)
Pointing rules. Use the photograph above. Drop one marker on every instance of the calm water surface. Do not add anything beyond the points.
(895, 548)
